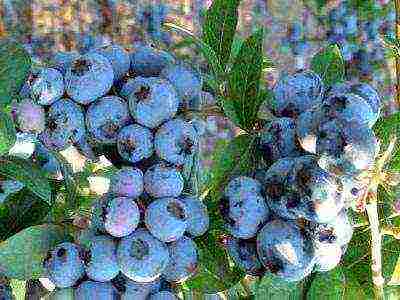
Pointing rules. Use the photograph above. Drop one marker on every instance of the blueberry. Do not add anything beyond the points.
(349, 107)
(297, 93)
(63, 60)
(64, 265)
(138, 291)
(198, 220)
(101, 261)
(334, 15)
(369, 94)
(118, 57)
(135, 143)
(65, 125)
(96, 290)
(148, 61)
(244, 253)
(161, 180)
(30, 117)
(142, 257)
(176, 141)
(121, 216)
(164, 295)
(338, 231)
(298, 188)
(295, 32)
(105, 117)
(247, 213)
(89, 77)
(300, 48)
(187, 82)
(278, 139)
(240, 186)
(166, 219)
(184, 261)
(350, 24)
(284, 251)
(343, 147)
(46, 85)
(127, 182)
(152, 101)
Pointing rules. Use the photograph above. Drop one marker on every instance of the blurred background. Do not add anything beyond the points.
(295, 31)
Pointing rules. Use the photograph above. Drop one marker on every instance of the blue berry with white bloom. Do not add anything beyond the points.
(153, 101)
(176, 141)
(88, 78)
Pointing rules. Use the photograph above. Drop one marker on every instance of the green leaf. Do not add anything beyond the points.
(329, 64)
(237, 44)
(334, 285)
(27, 173)
(70, 183)
(22, 255)
(234, 158)
(357, 260)
(229, 109)
(205, 49)
(215, 272)
(244, 81)
(220, 26)
(385, 128)
(19, 211)
(274, 288)
(18, 288)
(15, 64)
(7, 133)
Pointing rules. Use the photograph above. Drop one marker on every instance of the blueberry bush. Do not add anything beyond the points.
(100, 196)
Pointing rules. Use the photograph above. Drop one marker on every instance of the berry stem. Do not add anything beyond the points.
(376, 246)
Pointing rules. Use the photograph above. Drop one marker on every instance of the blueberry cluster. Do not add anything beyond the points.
(290, 218)
(358, 33)
(129, 107)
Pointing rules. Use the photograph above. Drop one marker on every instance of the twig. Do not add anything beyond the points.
(376, 255)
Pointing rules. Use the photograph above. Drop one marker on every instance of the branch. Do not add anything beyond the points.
(377, 278)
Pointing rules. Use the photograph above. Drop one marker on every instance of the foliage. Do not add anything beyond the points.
(386, 128)
(243, 90)
(329, 64)
(220, 26)
(22, 254)
(7, 133)
(20, 211)
(29, 174)
(15, 64)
